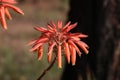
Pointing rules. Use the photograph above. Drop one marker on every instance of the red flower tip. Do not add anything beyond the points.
(59, 38)
(4, 5)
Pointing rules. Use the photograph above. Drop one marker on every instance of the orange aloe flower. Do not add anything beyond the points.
(60, 39)
(4, 12)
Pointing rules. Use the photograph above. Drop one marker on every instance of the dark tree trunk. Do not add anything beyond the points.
(109, 50)
(100, 19)
(85, 12)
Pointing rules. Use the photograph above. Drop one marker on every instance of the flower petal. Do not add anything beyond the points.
(79, 35)
(59, 24)
(41, 29)
(50, 49)
(51, 29)
(59, 56)
(82, 36)
(10, 1)
(67, 29)
(73, 55)
(74, 38)
(67, 51)
(53, 24)
(82, 46)
(42, 40)
(76, 48)
(49, 57)
(8, 14)
(32, 42)
(14, 8)
(51, 46)
(71, 27)
(40, 52)
(36, 46)
(2, 15)
(66, 25)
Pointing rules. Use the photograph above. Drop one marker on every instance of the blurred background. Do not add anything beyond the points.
(16, 62)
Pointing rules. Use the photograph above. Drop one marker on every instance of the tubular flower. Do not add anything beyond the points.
(60, 39)
(4, 12)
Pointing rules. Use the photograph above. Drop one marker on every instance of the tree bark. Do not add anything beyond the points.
(109, 50)
(100, 20)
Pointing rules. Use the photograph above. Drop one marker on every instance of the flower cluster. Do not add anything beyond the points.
(59, 38)
(4, 5)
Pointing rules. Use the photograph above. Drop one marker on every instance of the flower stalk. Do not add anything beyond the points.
(47, 69)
